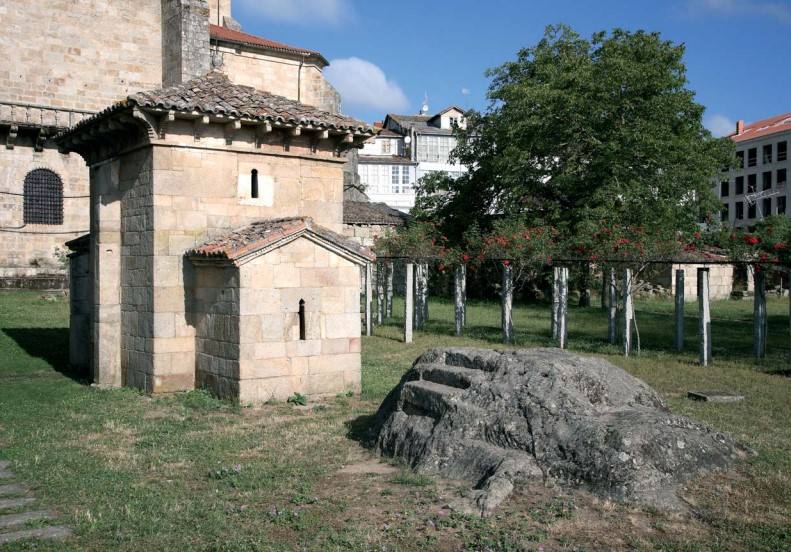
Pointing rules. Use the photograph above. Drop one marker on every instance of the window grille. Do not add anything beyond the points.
(43, 198)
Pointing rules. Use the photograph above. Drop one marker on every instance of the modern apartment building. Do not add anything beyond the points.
(756, 187)
(407, 148)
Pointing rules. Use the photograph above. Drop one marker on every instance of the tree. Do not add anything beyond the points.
(582, 131)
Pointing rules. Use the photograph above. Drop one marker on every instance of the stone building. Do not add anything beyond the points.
(68, 60)
(216, 258)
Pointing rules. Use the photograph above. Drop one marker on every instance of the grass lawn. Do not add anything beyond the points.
(187, 472)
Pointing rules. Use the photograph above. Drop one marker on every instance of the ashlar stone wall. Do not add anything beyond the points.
(248, 340)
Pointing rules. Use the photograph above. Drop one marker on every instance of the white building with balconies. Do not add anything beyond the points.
(757, 186)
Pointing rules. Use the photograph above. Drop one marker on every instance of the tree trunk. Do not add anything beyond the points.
(408, 301)
(680, 309)
(612, 307)
(507, 304)
(759, 314)
(458, 296)
(628, 312)
(704, 328)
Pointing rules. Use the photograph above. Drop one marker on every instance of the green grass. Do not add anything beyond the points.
(188, 472)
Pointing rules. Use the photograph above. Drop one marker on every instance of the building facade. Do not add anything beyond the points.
(757, 186)
(407, 148)
(88, 55)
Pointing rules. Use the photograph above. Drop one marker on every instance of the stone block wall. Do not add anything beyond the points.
(29, 250)
(82, 54)
(80, 307)
(280, 75)
(720, 280)
(185, 40)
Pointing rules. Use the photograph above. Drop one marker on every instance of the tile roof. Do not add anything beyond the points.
(364, 212)
(269, 234)
(764, 127)
(421, 124)
(215, 94)
(219, 33)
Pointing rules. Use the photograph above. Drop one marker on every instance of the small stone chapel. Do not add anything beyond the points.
(215, 258)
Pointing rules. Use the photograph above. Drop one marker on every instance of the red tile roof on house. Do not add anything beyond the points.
(225, 34)
(764, 127)
(262, 236)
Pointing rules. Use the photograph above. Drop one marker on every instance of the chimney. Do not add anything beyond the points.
(185, 40)
(739, 126)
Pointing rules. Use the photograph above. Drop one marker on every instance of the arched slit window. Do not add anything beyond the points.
(302, 320)
(43, 198)
(254, 183)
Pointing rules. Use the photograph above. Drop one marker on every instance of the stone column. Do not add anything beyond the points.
(368, 299)
(563, 304)
(759, 314)
(628, 312)
(605, 288)
(408, 301)
(507, 297)
(704, 315)
(458, 298)
(679, 309)
(389, 290)
(464, 295)
(612, 307)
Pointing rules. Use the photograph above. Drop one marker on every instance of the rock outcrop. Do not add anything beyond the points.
(500, 418)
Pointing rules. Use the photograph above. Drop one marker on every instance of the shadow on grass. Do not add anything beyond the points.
(362, 429)
(50, 345)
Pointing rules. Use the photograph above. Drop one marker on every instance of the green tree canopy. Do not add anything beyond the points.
(581, 132)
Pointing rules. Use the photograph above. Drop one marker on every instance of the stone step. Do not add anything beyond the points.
(18, 519)
(53, 532)
(12, 503)
(4, 464)
(5, 474)
(12, 489)
(429, 397)
(452, 376)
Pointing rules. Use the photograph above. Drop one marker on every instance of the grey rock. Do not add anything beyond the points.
(505, 418)
(12, 489)
(11, 503)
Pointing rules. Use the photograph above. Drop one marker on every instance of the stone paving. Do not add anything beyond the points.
(17, 514)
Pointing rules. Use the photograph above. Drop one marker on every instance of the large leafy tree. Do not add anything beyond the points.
(580, 132)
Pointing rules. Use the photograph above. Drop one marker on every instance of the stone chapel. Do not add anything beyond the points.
(215, 257)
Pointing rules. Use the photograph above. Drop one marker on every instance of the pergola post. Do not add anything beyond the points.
(555, 301)
(424, 295)
(507, 297)
(408, 301)
(464, 295)
(380, 293)
(759, 314)
(679, 309)
(612, 306)
(628, 312)
(563, 304)
(458, 298)
(389, 290)
(368, 299)
(704, 316)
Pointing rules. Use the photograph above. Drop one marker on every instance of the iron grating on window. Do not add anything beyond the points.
(43, 201)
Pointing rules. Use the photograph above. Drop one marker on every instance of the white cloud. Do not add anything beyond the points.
(465, 91)
(363, 84)
(302, 12)
(719, 125)
(780, 11)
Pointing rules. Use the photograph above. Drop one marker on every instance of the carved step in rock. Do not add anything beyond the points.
(500, 418)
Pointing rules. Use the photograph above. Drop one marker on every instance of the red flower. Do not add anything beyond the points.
(752, 240)
(697, 235)
(506, 263)
(779, 246)
(441, 267)
(465, 258)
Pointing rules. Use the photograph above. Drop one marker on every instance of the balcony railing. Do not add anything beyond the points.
(40, 116)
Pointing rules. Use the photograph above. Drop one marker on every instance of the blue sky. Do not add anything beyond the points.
(385, 55)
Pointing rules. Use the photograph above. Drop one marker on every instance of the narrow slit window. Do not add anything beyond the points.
(302, 320)
(254, 183)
